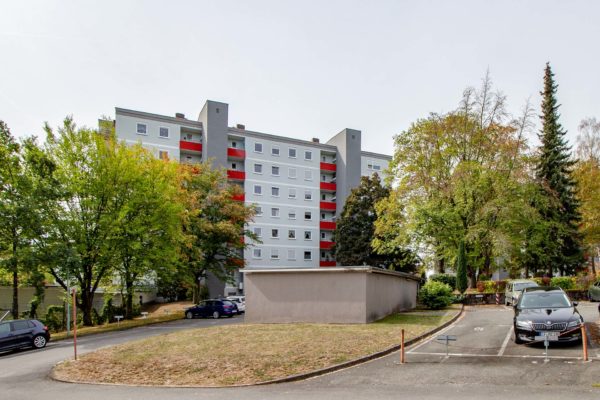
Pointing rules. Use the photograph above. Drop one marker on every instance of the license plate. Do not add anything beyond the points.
(552, 336)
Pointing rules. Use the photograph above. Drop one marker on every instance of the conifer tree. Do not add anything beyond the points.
(461, 268)
(554, 175)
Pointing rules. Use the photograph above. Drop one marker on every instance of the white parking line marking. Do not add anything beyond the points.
(435, 335)
(495, 355)
(505, 343)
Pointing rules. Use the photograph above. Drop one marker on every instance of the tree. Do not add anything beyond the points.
(461, 268)
(80, 210)
(587, 174)
(554, 175)
(214, 225)
(148, 225)
(355, 227)
(16, 210)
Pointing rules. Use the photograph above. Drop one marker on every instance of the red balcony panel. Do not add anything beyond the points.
(325, 166)
(190, 146)
(329, 186)
(327, 226)
(236, 153)
(327, 264)
(239, 197)
(325, 245)
(236, 175)
(327, 205)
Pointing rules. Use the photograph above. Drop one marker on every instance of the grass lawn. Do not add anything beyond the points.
(245, 353)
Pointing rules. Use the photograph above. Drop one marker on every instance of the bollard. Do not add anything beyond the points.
(402, 347)
(497, 298)
(75, 323)
(584, 342)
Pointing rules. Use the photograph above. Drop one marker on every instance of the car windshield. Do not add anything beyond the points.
(521, 286)
(227, 302)
(545, 300)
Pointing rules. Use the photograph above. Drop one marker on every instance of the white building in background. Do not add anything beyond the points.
(299, 186)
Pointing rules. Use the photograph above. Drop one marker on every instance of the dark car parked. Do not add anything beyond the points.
(212, 308)
(23, 333)
(546, 312)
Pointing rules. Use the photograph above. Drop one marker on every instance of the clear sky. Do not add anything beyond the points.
(297, 68)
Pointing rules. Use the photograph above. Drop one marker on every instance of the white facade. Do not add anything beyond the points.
(299, 186)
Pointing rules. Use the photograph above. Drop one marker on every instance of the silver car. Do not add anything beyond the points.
(594, 292)
(515, 288)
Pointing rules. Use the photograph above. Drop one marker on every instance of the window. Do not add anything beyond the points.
(142, 129)
(188, 158)
(292, 214)
(292, 152)
(308, 175)
(275, 151)
(323, 235)
(258, 168)
(256, 253)
(323, 197)
(258, 211)
(275, 170)
(307, 255)
(189, 136)
(275, 233)
(258, 232)
(163, 154)
(324, 158)
(323, 178)
(258, 147)
(274, 191)
(307, 235)
(291, 254)
(369, 166)
(291, 234)
(376, 167)
(308, 155)
(307, 215)
(234, 144)
(292, 173)
(322, 254)
(275, 212)
(322, 215)
(274, 254)
(257, 190)
(292, 193)
(163, 132)
(233, 166)
(307, 195)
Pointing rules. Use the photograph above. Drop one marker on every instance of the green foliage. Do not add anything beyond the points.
(561, 241)
(461, 268)
(448, 279)
(564, 282)
(55, 318)
(435, 295)
(490, 287)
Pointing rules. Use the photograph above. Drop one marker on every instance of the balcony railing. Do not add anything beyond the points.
(325, 245)
(325, 166)
(236, 175)
(327, 263)
(328, 186)
(239, 197)
(236, 153)
(190, 146)
(327, 225)
(327, 205)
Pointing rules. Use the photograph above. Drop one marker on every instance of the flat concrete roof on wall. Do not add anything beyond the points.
(349, 269)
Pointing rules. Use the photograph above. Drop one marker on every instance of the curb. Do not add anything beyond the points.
(291, 378)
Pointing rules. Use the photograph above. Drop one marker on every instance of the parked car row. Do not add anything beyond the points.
(23, 333)
(217, 308)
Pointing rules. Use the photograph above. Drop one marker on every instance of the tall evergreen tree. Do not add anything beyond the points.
(554, 175)
(461, 268)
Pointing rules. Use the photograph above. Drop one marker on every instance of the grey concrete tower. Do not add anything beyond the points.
(214, 117)
(348, 144)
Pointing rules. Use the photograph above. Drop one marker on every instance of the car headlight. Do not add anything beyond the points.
(574, 324)
(524, 325)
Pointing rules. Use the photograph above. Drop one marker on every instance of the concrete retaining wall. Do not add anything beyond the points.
(332, 295)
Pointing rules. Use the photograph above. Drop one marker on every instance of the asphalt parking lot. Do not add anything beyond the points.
(487, 332)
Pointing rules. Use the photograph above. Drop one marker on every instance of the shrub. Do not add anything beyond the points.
(448, 279)
(483, 277)
(436, 295)
(489, 287)
(584, 281)
(55, 318)
(564, 282)
(480, 286)
(500, 286)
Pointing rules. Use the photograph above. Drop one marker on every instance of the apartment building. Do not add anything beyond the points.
(298, 186)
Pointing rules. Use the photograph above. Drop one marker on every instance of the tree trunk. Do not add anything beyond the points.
(129, 296)
(441, 266)
(593, 262)
(15, 283)
(86, 305)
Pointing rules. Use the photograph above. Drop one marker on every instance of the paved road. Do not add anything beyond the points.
(476, 371)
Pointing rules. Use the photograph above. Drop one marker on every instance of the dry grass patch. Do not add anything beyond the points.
(243, 354)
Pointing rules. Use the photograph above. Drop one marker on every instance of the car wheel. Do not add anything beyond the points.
(39, 341)
(517, 340)
(216, 315)
(189, 315)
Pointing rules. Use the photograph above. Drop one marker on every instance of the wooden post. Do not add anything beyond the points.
(402, 347)
(584, 341)
(75, 322)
